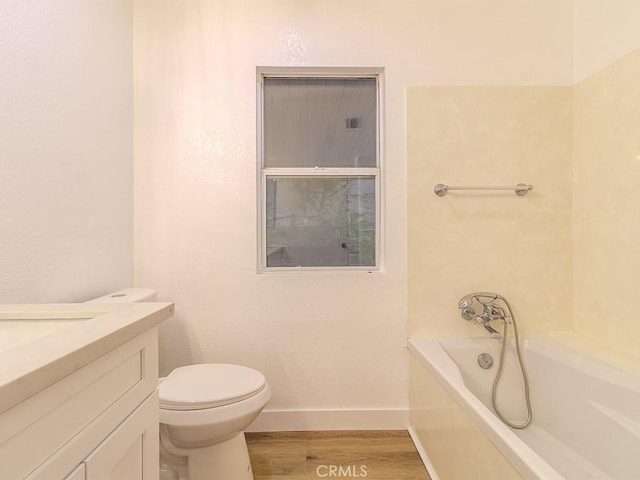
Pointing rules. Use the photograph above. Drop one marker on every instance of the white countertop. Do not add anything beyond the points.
(41, 344)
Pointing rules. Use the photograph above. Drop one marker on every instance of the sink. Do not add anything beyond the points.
(15, 332)
(40, 344)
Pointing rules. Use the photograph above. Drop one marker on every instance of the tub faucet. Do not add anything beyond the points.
(490, 311)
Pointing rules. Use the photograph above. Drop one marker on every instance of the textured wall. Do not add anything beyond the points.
(327, 340)
(519, 247)
(66, 149)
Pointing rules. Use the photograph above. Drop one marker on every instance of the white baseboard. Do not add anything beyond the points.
(310, 420)
(423, 454)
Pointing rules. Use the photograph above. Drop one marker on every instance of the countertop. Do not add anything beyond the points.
(30, 367)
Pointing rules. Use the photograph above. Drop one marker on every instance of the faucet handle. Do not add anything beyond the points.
(469, 314)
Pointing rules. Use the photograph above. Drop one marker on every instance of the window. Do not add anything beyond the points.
(319, 155)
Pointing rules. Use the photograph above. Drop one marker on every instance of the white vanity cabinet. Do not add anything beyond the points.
(98, 422)
(129, 452)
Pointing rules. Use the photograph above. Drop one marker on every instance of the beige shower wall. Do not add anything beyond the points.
(489, 241)
(567, 254)
(607, 204)
(603, 31)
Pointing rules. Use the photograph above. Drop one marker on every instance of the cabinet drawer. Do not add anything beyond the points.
(103, 392)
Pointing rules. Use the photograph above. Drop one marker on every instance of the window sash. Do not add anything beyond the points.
(342, 173)
(321, 121)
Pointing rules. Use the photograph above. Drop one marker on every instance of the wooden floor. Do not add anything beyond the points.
(374, 455)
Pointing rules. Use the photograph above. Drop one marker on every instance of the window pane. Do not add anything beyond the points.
(323, 122)
(320, 221)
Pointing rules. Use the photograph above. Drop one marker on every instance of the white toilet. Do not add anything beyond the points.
(204, 410)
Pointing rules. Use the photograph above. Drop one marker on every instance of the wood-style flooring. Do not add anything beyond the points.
(374, 455)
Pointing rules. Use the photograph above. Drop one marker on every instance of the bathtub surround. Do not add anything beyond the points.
(596, 222)
(603, 31)
(589, 193)
(606, 204)
(569, 142)
(606, 103)
(496, 241)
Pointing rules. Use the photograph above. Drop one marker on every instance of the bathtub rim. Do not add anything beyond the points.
(431, 354)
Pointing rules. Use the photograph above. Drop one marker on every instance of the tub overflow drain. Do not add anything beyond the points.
(485, 361)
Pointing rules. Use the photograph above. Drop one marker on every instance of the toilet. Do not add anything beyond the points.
(204, 410)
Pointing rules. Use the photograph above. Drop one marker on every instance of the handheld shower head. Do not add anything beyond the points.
(467, 300)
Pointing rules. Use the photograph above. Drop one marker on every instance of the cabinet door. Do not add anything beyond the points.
(131, 451)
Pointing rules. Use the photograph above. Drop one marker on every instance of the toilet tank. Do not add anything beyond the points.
(128, 295)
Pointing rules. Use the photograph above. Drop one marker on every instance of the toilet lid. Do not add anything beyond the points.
(209, 385)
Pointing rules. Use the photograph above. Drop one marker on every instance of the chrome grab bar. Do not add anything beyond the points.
(521, 189)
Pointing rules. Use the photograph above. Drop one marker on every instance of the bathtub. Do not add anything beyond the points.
(586, 413)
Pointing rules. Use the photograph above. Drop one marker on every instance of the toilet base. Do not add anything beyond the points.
(228, 460)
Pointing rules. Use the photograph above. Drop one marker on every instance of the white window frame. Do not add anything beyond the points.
(376, 73)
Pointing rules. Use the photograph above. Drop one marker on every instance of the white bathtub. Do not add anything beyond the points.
(586, 413)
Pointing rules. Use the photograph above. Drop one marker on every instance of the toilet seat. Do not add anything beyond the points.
(209, 385)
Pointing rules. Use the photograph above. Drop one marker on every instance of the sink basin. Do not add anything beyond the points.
(17, 332)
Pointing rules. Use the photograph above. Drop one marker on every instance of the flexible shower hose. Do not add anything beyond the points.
(522, 369)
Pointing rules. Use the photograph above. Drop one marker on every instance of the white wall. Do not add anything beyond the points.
(65, 149)
(324, 340)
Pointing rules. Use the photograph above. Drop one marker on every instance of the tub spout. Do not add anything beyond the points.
(492, 331)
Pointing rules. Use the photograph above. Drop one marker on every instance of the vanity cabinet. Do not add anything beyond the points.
(99, 422)
(129, 452)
